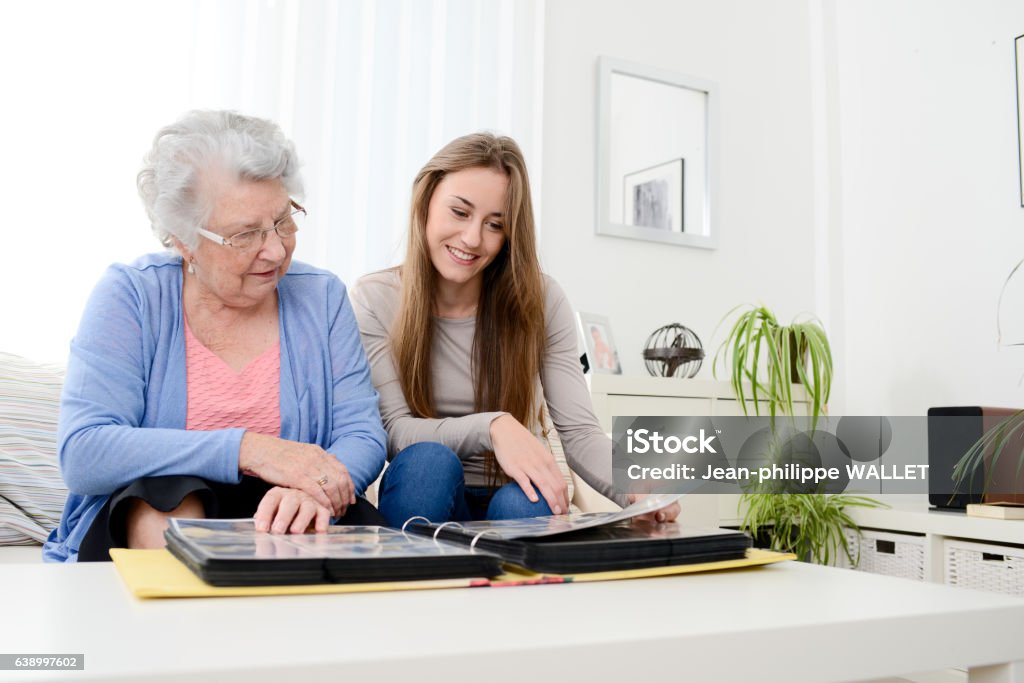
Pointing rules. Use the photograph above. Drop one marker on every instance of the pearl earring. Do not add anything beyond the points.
(191, 267)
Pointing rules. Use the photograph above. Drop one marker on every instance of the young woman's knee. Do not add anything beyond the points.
(429, 459)
(424, 480)
(509, 502)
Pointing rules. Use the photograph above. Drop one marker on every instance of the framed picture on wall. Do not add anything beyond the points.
(1019, 44)
(602, 355)
(653, 197)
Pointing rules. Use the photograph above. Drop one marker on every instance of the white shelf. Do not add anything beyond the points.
(910, 514)
(638, 395)
(918, 518)
(640, 385)
(668, 387)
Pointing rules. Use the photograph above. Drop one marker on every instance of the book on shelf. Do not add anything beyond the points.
(232, 553)
(996, 510)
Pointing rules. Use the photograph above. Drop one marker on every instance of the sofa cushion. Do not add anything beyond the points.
(32, 492)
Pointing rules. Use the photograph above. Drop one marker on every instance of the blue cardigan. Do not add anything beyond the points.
(123, 406)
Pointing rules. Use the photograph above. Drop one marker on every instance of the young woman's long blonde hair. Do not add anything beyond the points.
(509, 338)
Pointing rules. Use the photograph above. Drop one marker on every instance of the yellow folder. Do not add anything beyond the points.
(158, 574)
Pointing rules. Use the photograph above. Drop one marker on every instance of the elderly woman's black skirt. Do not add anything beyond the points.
(220, 501)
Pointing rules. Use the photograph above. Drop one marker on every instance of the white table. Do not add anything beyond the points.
(786, 622)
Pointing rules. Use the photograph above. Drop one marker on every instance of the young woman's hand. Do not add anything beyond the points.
(665, 514)
(285, 510)
(302, 466)
(522, 457)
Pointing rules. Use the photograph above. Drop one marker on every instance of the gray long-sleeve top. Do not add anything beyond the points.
(376, 300)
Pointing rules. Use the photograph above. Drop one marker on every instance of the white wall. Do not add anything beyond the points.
(82, 94)
(759, 53)
(931, 221)
(868, 173)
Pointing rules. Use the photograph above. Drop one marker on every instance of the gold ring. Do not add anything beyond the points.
(322, 480)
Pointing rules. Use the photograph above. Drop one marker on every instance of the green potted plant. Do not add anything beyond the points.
(770, 358)
(809, 525)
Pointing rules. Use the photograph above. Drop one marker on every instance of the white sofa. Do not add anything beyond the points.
(31, 490)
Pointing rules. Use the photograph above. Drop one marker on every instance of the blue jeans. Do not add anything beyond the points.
(427, 480)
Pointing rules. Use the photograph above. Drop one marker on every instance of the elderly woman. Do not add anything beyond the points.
(220, 380)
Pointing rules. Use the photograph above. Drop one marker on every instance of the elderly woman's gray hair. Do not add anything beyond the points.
(247, 147)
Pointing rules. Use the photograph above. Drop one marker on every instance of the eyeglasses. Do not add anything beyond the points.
(253, 239)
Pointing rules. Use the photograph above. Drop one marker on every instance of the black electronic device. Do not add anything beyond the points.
(952, 432)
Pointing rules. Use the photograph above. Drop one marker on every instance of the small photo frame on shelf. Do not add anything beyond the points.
(602, 356)
(653, 197)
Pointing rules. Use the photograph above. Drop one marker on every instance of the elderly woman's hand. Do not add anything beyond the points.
(284, 510)
(301, 466)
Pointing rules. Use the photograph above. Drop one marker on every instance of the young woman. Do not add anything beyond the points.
(472, 347)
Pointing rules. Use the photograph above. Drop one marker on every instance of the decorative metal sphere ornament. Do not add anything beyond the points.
(673, 351)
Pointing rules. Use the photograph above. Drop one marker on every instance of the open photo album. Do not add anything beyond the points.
(230, 552)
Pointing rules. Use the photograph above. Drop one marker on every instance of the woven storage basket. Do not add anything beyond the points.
(995, 568)
(888, 553)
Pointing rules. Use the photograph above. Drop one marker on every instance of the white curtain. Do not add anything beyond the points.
(367, 89)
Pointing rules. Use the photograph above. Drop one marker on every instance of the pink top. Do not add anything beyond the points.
(220, 398)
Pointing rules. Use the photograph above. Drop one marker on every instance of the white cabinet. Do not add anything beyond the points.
(943, 532)
(910, 514)
(636, 395)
